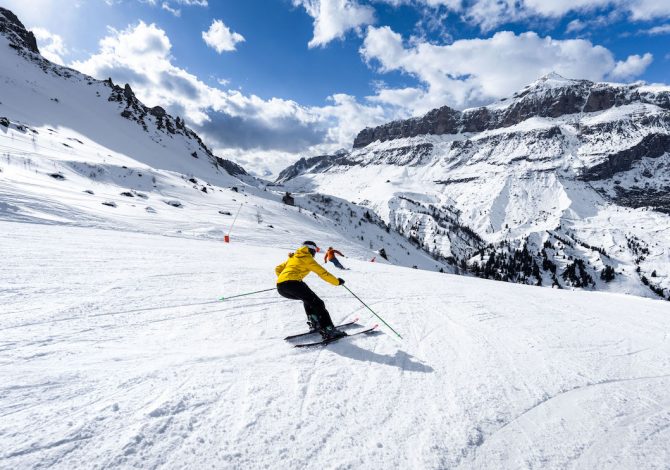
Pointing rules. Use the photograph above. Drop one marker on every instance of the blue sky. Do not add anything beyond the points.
(267, 81)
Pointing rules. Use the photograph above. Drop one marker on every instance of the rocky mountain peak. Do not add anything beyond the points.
(550, 96)
(553, 76)
(17, 34)
(155, 121)
(555, 79)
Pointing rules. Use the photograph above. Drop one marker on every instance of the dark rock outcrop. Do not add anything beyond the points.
(159, 112)
(651, 146)
(12, 28)
(319, 162)
(537, 100)
(131, 107)
(231, 167)
(444, 120)
(656, 199)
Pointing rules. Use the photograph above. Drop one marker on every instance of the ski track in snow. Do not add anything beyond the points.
(115, 353)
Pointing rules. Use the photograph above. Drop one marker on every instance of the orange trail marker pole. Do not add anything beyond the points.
(226, 238)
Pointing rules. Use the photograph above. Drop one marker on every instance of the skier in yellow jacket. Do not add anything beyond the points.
(290, 275)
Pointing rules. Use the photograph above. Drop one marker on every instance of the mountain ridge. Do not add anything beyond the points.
(541, 98)
(164, 124)
(551, 186)
(82, 152)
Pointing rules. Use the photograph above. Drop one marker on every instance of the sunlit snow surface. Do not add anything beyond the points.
(115, 353)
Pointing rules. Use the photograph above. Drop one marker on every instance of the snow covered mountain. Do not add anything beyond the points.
(87, 152)
(116, 352)
(566, 183)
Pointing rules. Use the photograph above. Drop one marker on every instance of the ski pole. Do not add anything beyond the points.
(373, 312)
(227, 237)
(248, 293)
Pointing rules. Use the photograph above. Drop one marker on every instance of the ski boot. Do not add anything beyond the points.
(313, 323)
(331, 333)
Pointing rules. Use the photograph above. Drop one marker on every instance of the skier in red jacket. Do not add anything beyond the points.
(330, 256)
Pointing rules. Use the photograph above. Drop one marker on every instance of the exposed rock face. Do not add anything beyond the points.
(12, 28)
(658, 200)
(551, 96)
(651, 146)
(231, 167)
(554, 186)
(157, 111)
(155, 121)
(317, 164)
(135, 110)
(439, 121)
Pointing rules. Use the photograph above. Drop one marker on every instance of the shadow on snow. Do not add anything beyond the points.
(400, 359)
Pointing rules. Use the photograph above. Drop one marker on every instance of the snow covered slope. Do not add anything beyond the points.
(80, 151)
(114, 353)
(566, 184)
(41, 99)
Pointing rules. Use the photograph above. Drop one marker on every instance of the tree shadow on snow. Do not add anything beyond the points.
(401, 359)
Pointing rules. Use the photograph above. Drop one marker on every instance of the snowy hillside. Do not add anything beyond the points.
(117, 352)
(114, 352)
(564, 184)
(80, 151)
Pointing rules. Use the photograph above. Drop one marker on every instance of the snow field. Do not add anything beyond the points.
(114, 352)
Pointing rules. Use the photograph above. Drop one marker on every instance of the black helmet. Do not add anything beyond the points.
(311, 246)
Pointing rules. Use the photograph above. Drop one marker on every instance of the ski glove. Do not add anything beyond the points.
(341, 281)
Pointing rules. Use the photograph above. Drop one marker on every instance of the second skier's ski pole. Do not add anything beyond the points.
(248, 293)
(373, 312)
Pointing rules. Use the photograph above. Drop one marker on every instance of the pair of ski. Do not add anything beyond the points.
(323, 342)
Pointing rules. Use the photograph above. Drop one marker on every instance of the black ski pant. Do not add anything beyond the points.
(298, 290)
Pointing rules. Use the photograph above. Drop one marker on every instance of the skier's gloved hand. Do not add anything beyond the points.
(341, 281)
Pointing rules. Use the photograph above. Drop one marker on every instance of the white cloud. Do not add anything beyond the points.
(175, 11)
(347, 117)
(558, 8)
(451, 4)
(635, 9)
(51, 45)
(220, 38)
(489, 14)
(333, 18)
(649, 9)
(403, 98)
(575, 26)
(657, 30)
(141, 56)
(198, 3)
(169, 5)
(472, 72)
(632, 67)
(54, 15)
(233, 122)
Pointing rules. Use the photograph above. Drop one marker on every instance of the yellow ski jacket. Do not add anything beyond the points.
(296, 267)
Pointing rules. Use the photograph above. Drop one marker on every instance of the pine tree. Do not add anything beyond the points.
(607, 274)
